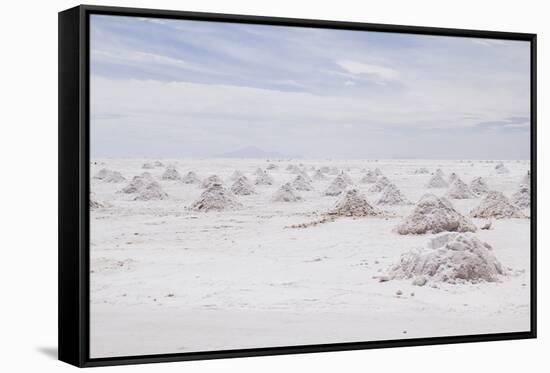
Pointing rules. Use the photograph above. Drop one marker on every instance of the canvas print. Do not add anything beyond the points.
(259, 186)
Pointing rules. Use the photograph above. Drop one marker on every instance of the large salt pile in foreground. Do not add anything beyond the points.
(137, 183)
(286, 193)
(434, 215)
(453, 258)
(479, 186)
(391, 195)
(501, 169)
(190, 178)
(215, 198)
(242, 187)
(369, 178)
(300, 183)
(151, 191)
(522, 198)
(212, 179)
(353, 203)
(496, 205)
(264, 179)
(171, 174)
(437, 181)
(338, 185)
(381, 183)
(459, 190)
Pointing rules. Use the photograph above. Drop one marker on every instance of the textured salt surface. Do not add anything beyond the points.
(171, 174)
(300, 183)
(210, 180)
(522, 198)
(264, 179)
(392, 196)
(337, 186)
(190, 178)
(151, 191)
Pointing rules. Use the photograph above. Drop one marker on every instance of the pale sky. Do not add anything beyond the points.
(173, 88)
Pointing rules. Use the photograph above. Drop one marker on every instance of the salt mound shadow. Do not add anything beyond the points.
(435, 215)
(453, 258)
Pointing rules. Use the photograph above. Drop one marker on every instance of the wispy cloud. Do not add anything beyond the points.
(359, 68)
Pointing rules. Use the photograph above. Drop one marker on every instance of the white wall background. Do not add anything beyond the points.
(28, 184)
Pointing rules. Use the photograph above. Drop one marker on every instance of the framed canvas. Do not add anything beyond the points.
(235, 186)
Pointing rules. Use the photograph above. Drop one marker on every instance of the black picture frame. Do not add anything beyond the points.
(74, 185)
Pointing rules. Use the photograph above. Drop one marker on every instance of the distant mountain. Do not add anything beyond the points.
(251, 152)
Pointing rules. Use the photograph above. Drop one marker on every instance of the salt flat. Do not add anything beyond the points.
(169, 279)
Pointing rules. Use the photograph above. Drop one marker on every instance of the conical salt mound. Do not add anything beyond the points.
(439, 172)
(258, 171)
(272, 166)
(353, 203)
(479, 186)
(435, 215)
(300, 183)
(452, 177)
(171, 174)
(102, 174)
(190, 178)
(294, 169)
(286, 193)
(242, 187)
(338, 185)
(377, 172)
(151, 191)
(526, 179)
(422, 170)
(137, 183)
(114, 177)
(459, 190)
(453, 258)
(216, 198)
(369, 178)
(437, 181)
(158, 164)
(148, 166)
(501, 169)
(212, 179)
(109, 176)
(496, 205)
(264, 179)
(380, 184)
(346, 177)
(318, 175)
(236, 175)
(522, 198)
(391, 196)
